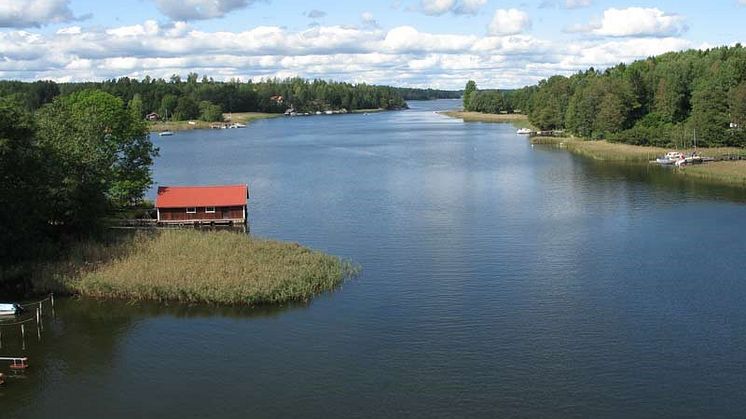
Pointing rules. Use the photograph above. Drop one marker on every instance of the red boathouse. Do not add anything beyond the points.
(202, 204)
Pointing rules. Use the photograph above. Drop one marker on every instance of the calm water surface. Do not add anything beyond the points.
(498, 280)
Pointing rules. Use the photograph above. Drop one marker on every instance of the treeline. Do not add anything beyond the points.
(409, 93)
(662, 100)
(63, 167)
(205, 98)
(496, 101)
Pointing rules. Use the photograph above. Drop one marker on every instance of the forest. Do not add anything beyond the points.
(206, 99)
(662, 101)
(64, 167)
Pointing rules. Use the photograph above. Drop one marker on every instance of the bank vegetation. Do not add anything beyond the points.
(218, 267)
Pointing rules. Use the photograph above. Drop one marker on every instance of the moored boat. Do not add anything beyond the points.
(165, 133)
(524, 131)
(670, 158)
(10, 309)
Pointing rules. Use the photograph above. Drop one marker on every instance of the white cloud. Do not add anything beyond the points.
(369, 21)
(437, 7)
(576, 4)
(199, 9)
(469, 7)
(315, 14)
(402, 56)
(458, 7)
(639, 21)
(509, 22)
(34, 13)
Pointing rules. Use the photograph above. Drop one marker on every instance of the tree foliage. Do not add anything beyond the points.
(179, 99)
(100, 156)
(659, 101)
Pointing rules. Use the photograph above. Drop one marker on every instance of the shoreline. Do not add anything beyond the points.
(723, 172)
(242, 117)
(485, 117)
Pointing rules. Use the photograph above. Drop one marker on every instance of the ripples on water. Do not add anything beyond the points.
(498, 280)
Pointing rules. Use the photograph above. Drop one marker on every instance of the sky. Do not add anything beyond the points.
(410, 43)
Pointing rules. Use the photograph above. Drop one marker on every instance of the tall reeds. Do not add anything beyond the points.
(194, 266)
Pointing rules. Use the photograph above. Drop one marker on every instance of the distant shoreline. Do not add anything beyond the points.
(726, 172)
(240, 117)
(485, 117)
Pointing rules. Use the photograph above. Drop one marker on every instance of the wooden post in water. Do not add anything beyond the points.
(39, 323)
(23, 336)
(51, 297)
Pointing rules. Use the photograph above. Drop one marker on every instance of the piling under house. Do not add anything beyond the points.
(202, 204)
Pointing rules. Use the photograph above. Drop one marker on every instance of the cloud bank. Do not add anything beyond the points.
(404, 55)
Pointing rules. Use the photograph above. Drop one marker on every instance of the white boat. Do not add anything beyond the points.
(670, 158)
(239, 125)
(9, 309)
(165, 133)
(523, 131)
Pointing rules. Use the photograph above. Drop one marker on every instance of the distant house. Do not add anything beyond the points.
(152, 117)
(202, 204)
(277, 99)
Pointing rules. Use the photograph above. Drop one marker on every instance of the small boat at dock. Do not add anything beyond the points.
(165, 133)
(670, 158)
(524, 131)
(10, 309)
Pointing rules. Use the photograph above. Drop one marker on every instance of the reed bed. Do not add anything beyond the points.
(604, 150)
(194, 266)
(726, 172)
(485, 117)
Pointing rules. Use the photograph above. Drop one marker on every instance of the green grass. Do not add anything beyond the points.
(193, 266)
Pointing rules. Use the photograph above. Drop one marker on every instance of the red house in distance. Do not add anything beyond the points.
(202, 204)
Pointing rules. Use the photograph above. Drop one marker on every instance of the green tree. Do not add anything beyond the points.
(469, 90)
(186, 108)
(710, 114)
(102, 156)
(210, 112)
(135, 106)
(23, 221)
(168, 105)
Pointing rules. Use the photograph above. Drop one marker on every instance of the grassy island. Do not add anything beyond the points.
(485, 117)
(220, 267)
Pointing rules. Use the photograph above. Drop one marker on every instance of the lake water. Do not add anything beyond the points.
(497, 280)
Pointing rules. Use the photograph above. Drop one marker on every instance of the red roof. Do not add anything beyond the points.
(201, 196)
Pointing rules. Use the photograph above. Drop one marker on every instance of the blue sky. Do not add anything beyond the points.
(421, 43)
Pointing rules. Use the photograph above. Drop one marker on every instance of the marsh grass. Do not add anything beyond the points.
(193, 266)
(732, 173)
(603, 150)
(485, 117)
(726, 172)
